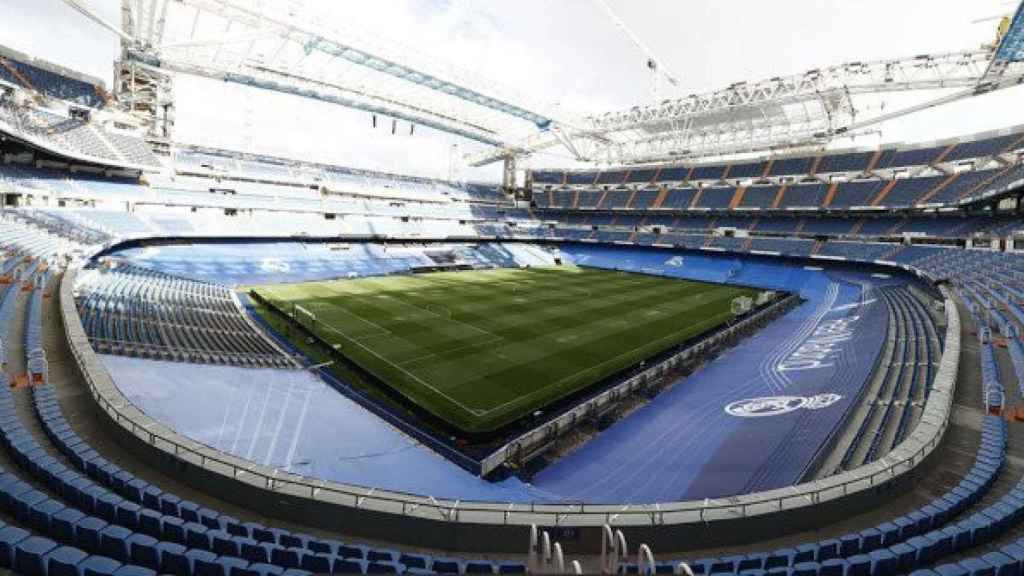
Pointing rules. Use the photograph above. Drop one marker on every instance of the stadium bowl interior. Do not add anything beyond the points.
(219, 363)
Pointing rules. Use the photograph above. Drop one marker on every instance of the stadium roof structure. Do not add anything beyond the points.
(285, 46)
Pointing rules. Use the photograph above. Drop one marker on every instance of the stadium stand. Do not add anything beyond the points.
(16, 69)
(141, 312)
(73, 510)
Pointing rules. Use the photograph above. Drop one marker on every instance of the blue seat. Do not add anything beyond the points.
(806, 569)
(322, 546)
(252, 550)
(412, 560)
(62, 524)
(10, 536)
(883, 562)
(223, 566)
(849, 545)
(922, 521)
(286, 557)
(188, 511)
(233, 526)
(210, 519)
(120, 481)
(379, 555)
(151, 496)
(106, 506)
(172, 558)
(193, 557)
(29, 555)
(87, 533)
(64, 561)
(23, 503)
(262, 569)
(352, 566)
(114, 542)
(293, 539)
(135, 490)
(858, 565)
(1002, 564)
(223, 543)
(130, 570)
(906, 526)
(962, 536)
(977, 567)
(172, 529)
(471, 567)
(128, 514)
(150, 522)
(196, 536)
(754, 561)
(99, 566)
(169, 504)
(41, 514)
(446, 566)
(924, 550)
(512, 568)
(906, 557)
(833, 567)
(870, 539)
(828, 549)
(142, 550)
(805, 553)
(1015, 551)
(89, 495)
(318, 563)
(260, 533)
(349, 551)
(780, 558)
(951, 570)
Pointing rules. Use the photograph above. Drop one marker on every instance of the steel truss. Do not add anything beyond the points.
(803, 110)
(279, 45)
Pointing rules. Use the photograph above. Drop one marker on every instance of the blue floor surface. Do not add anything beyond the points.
(812, 364)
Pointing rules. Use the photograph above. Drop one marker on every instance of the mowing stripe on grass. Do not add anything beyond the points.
(481, 349)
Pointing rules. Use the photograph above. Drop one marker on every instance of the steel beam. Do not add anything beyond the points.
(322, 39)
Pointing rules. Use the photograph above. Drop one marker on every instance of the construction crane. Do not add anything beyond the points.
(659, 74)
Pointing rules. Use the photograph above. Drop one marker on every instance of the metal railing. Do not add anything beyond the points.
(906, 456)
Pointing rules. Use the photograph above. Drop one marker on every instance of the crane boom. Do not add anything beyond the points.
(653, 62)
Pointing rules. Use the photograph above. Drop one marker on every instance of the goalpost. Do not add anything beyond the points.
(741, 305)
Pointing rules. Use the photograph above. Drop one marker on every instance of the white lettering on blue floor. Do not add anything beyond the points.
(779, 405)
(817, 351)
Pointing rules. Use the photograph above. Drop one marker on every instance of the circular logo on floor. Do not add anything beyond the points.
(778, 405)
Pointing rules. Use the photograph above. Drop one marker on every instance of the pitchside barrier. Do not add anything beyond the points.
(424, 521)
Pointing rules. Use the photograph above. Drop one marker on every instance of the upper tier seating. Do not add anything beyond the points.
(50, 83)
(76, 137)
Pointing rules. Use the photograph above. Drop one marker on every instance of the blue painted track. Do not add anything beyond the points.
(682, 445)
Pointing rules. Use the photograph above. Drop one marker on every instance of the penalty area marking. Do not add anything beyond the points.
(474, 411)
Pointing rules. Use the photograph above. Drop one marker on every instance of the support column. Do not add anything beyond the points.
(508, 178)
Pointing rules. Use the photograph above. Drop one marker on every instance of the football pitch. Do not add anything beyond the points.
(481, 349)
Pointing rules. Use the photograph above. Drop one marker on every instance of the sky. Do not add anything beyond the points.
(566, 55)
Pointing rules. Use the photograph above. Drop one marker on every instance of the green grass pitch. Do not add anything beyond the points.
(480, 349)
